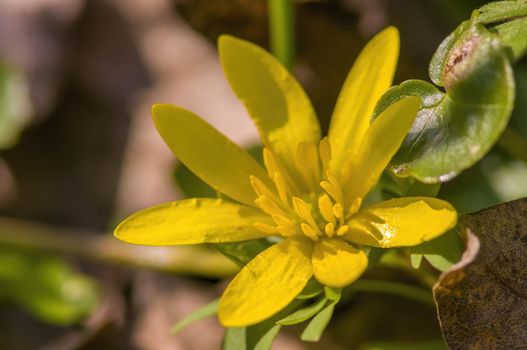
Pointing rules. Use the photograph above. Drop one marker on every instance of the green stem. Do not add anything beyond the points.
(394, 288)
(194, 260)
(514, 143)
(282, 30)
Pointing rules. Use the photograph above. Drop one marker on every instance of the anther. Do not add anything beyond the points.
(329, 229)
(309, 231)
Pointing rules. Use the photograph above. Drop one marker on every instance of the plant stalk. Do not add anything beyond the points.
(104, 248)
(282, 30)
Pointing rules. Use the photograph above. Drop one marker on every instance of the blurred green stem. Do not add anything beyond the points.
(514, 144)
(194, 260)
(394, 288)
(282, 30)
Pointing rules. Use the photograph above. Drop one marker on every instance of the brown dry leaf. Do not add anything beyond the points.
(482, 300)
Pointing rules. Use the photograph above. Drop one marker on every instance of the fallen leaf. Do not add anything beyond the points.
(482, 300)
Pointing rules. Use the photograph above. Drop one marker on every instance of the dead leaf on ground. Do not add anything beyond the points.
(482, 300)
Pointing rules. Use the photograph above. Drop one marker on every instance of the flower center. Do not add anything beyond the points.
(313, 205)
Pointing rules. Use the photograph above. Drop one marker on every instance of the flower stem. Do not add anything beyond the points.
(104, 248)
(282, 30)
(395, 288)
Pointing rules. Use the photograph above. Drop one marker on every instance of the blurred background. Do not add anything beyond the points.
(78, 152)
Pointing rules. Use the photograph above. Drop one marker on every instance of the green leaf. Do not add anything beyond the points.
(436, 68)
(47, 287)
(500, 11)
(204, 312)
(454, 130)
(15, 106)
(318, 324)
(513, 34)
(304, 313)
(242, 252)
(441, 252)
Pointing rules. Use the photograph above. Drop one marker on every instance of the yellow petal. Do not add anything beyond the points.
(274, 99)
(369, 78)
(267, 284)
(400, 222)
(336, 263)
(381, 142)
(208, 153)
(192, 221)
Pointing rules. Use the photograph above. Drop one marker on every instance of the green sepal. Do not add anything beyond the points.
(311, 290)
(303, 314)
(243, 252)
(441, 252)
(206, 311)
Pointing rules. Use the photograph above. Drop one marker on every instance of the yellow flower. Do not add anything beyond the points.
(310, 193)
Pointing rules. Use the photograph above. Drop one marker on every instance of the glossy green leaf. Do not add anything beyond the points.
(204, 312)
(441, 252)
(47, 287)
(15, 106)
(304, 313)
(318, 324)
(454, 130)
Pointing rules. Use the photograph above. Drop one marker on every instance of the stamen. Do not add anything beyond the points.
(342, 230)
(355, 206)
(336, 186)
(329, 229)
(281, 186)
(302, 209)
(338, 210)
(266, 228)
(309, 231)
(326, 208)
(270, 162)
(283, 221)
(329, 189)
(261, 189)
(286, 231)
(325, 153)
(307, 163)
(273, 167)
(269, 206)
